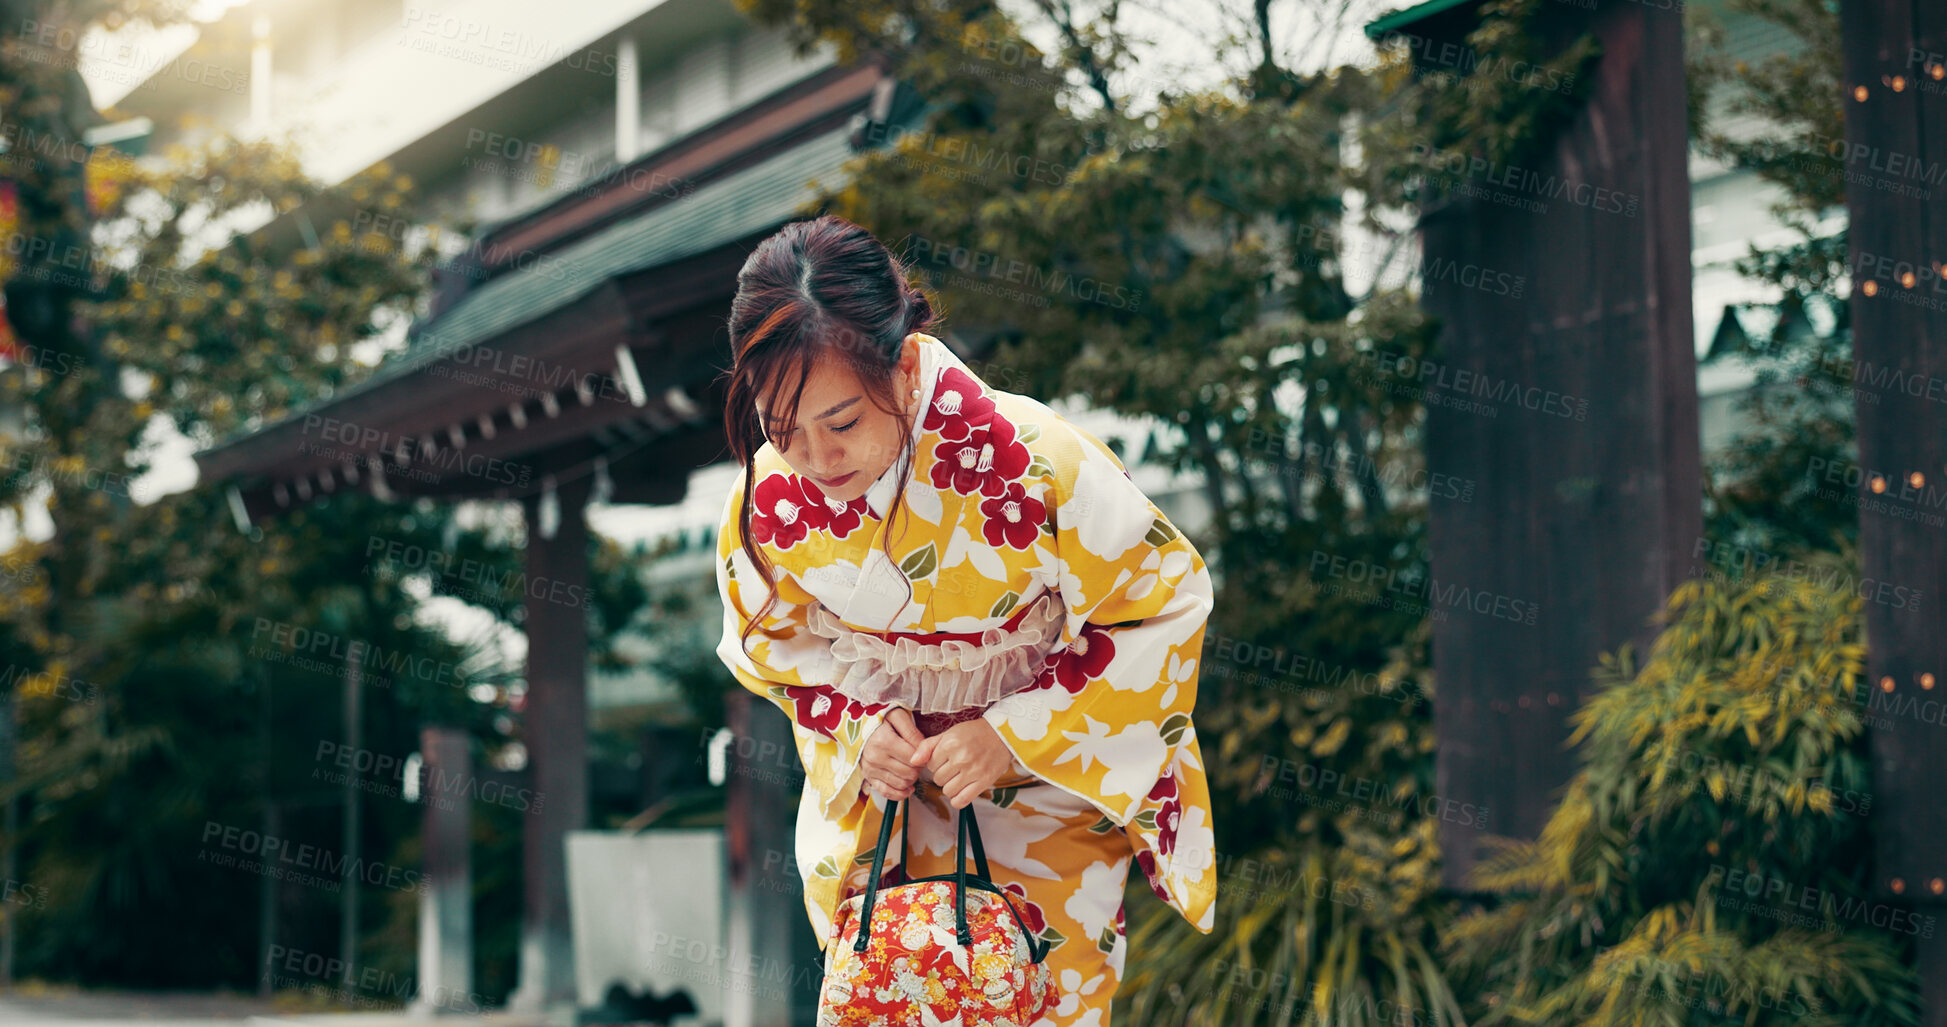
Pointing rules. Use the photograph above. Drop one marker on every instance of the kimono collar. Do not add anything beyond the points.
(935, 359)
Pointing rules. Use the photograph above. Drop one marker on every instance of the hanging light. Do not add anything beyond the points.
(549, 513)
(379, 487)
(625, 369)
(681, 402)
(604, 485)
(237, 510)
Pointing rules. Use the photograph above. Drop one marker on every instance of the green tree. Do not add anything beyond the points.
(170, 697)
(159, 694)
(148, 645)
(45, 107)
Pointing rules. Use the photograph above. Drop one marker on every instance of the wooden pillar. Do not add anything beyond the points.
(446, 906)
(273, 827)
(766, 924)
(554, 723)
(1564, 395)
(353, 839)
(1895, 83)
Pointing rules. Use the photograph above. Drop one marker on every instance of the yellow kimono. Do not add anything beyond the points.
(1070, 592)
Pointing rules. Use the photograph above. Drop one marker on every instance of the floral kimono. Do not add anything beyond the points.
(1032, 584)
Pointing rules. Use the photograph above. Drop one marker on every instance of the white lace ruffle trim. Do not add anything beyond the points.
(943, 677)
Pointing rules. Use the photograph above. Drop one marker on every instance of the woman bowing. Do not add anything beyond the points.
(958, 597)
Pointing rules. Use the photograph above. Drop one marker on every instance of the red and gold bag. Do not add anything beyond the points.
(945, 949)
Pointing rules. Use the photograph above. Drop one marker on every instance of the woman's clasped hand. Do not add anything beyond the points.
(888, 755)
(965, 759)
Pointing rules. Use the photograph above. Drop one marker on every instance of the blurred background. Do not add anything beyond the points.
(1554, 388)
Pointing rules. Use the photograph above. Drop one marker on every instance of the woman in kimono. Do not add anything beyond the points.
(958, 597)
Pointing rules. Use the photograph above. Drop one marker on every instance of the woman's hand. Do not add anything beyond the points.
(887, 756)
(966, 759)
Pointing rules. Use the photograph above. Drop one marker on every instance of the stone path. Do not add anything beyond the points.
(188, 1009)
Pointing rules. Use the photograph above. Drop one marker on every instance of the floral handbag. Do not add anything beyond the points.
(945, 949)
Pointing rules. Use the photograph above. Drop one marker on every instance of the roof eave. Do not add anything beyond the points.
(1399, 20)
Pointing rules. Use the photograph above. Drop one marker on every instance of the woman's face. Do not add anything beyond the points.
(842, 441)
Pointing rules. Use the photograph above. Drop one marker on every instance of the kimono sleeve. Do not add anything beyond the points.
(791, 666)
(1109, 716)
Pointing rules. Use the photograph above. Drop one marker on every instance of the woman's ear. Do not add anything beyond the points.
(909, 366)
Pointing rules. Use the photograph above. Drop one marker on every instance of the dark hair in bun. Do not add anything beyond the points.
(818, 290)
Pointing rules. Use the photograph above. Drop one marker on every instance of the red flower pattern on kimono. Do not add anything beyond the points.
(822, 708)
(1146, 859)
(1084, 661)
(990, 457)
(959, 404)
(818, 707)
(1013, 517)
(1009, 459)
(953, 467)
(1169, 815)
(782, 514)
(841, 516)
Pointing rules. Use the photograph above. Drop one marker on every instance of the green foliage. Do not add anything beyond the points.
(1734, 754)
(1797, 93)
(1503, 106)
(240, 334)
(147, 647)
(1337, 916)
(156, 688)
(1760, 494)
(153, 651)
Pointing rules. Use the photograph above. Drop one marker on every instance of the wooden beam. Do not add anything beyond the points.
(1895, 82)
(1564, 395)
(423, 401)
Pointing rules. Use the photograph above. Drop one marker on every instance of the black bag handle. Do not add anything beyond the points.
(968, 837)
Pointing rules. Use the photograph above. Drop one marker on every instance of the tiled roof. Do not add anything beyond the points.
(739, 204)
